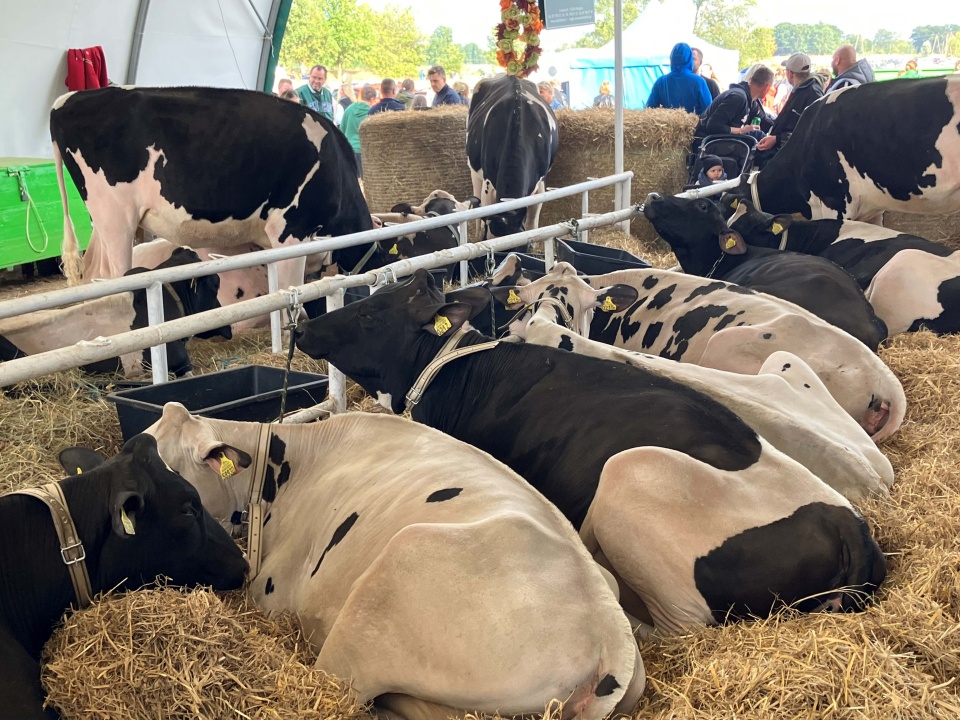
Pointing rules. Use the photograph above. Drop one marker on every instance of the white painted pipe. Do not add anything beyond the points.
(337, 382)
(464, 265)
(625, 198)
(327, 407)
(584, 212)
(709, 190)
(15, 371)
(273, 285)
(90, 291)
(158, 353)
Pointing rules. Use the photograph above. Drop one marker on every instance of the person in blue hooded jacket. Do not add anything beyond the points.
(680, 88)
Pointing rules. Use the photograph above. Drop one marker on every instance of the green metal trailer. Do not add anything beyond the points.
(31, 213)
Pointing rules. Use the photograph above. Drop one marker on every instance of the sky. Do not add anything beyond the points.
(472, 20)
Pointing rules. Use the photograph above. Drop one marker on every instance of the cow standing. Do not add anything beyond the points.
(698, 235)
(423, 573)
(205, 167)
(862, 150)
(689, 534)
(136, 519)
(511, 146)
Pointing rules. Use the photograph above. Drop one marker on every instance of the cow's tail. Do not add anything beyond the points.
(616, 684)
(70, 249)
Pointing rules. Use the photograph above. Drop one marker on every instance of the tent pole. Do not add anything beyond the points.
(619, 91)
(135, 45)
(272, 38)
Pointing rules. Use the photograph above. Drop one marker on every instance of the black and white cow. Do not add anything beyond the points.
(511, 145)
(680, 467)
(862, 150)
(424, 549)
(727, 327)
(89, 321)
(205, 167)
(167, 532)
(911, 282)
(698, 235)
(785, 402)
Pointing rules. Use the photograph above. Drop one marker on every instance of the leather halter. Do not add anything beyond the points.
(253, 515)
(71, 547)
(448, 353)
(754, 193)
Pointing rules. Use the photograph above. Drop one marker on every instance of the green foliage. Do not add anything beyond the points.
(758, 46)
(819, 39)
(937, 35)
(474, 54)
(729, 24)
(441, 50)
(604, 28)
(399, 44)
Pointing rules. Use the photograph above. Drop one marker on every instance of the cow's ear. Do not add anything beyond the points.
(731, 242)
(616, 298)
(477, 297)
(78, 460)
(507, 296)
(779, 223)
(468, 204)
(227, 460)
(125, 509)
(447, 319)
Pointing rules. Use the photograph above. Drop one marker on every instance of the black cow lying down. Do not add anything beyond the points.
(698, 235)
(61, 327)
(911, 282)
(137, 520)
(559, 418)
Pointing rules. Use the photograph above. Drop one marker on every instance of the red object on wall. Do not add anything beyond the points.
(86, 69)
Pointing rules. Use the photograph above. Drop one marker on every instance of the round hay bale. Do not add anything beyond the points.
(408, 155)
(939, 228)
(656, 144)
(176, 654)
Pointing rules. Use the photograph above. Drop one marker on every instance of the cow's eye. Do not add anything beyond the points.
(702, 206)
(191, 509)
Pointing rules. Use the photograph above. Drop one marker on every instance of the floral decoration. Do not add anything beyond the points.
(519, 24)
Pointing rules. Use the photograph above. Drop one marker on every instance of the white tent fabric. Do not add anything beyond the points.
(662, 25)
(221, 43)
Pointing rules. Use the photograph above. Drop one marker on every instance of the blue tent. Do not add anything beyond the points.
(639, 74)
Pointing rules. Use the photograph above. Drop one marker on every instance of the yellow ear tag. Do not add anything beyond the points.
(735, 204)
(79, 471)
(441, 324)
(513, 298)
(127, 523)
(608, 305)
(393, 250)
(777, 228)
(227, 468)
(730, 243)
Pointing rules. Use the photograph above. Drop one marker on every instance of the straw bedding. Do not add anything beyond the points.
(899, 659)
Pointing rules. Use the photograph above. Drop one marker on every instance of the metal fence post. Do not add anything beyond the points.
(584, 211)
(625, 197)
(158, 353)
(273, 285)
(464, 265)
(337, 383)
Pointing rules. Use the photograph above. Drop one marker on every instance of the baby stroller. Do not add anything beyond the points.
(736, 152)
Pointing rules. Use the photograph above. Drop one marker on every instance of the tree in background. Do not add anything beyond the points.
(603, 30)
(441, 50)
(474, 54)
(339, 34)
(937, 35)
(888, 41)
(819, 39)
(399, 43)
(729, 24)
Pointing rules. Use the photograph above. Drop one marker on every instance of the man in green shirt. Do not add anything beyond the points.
(314, 95)
(355, 114)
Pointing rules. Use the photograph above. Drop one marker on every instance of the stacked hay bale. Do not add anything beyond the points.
(939, 228)
(408, 155)
(655, 147)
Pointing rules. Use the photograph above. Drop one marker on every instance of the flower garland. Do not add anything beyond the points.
(520, 21)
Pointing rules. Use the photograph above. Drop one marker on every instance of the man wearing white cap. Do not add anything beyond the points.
(806, 90)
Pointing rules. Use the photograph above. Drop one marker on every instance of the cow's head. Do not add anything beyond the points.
(562, 294)
(190, 445)
(507, 223)
(199, 294)
(439, 202)
(756, 228)
(695, 230)
(157, 523)
(385, 340)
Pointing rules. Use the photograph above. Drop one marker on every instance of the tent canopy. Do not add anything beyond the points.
(646, 55)
(220, 43)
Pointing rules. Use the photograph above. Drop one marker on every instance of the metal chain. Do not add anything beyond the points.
(293, 316)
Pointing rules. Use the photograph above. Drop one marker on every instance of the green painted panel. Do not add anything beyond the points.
(31, 213)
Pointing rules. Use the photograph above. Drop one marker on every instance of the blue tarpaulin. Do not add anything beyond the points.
(639, 74)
